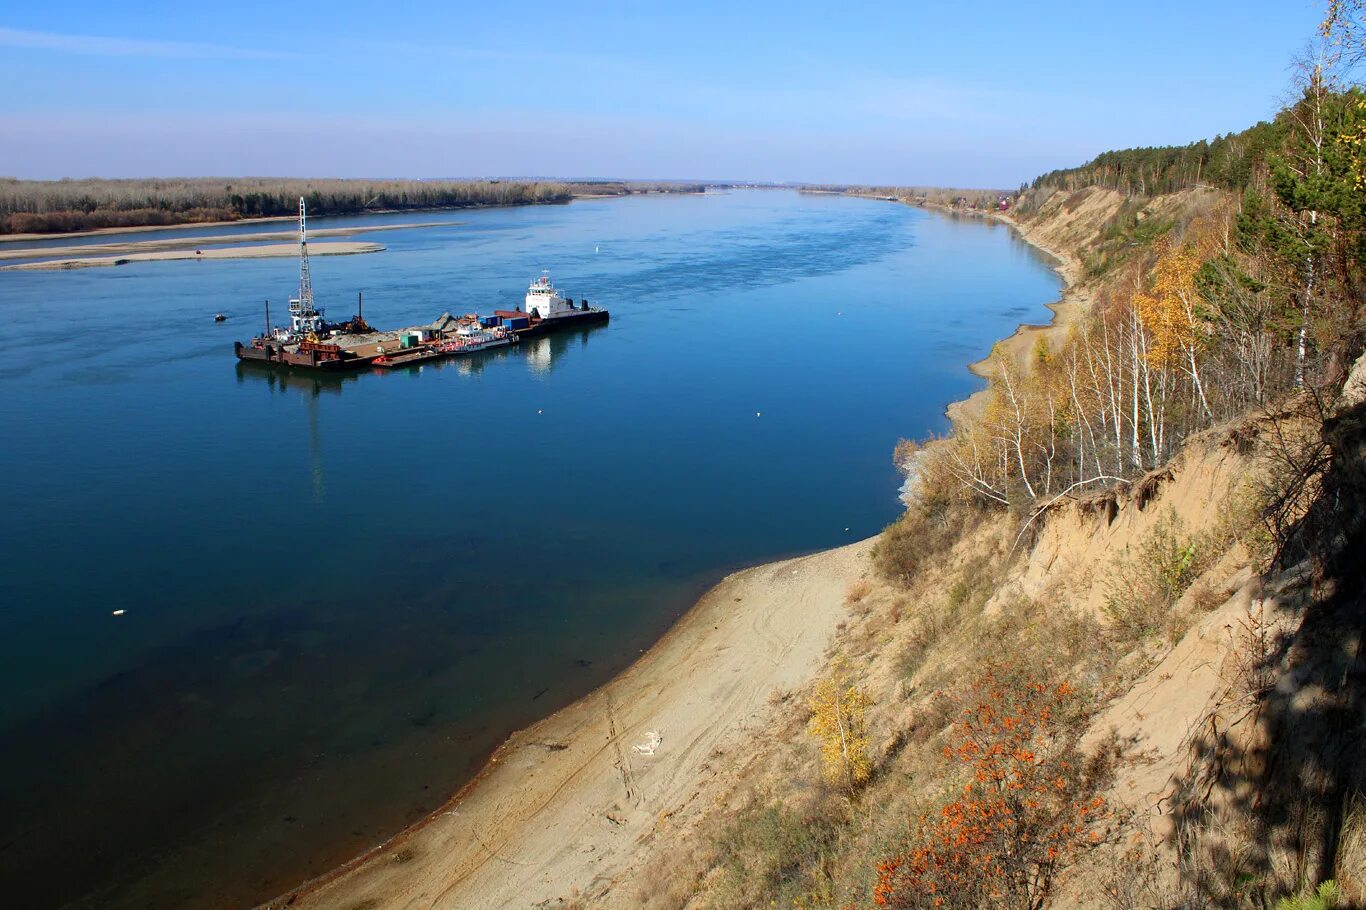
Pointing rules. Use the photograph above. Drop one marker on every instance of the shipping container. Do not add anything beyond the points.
(519, 322)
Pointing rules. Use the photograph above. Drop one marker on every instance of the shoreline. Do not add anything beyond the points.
(1072, 301)
(561, 805)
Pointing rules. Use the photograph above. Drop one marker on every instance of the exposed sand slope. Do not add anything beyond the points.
(563, 805)
(262, 251)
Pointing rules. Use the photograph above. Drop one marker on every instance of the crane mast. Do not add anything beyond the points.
(305, 319)
(305, 280)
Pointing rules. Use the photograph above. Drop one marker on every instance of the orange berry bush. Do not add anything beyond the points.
(1029, 807)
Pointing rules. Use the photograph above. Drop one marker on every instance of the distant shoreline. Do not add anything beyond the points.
(182, 225)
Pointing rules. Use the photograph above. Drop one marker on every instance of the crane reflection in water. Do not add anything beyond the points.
(540, 355)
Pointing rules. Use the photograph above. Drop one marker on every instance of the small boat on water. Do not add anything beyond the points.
(474, 336)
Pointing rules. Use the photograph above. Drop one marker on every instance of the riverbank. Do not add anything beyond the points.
(1074, 301)
(564, 805)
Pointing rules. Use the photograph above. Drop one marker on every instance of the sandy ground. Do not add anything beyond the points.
(193, 243)
(564, 806)
(261, 251)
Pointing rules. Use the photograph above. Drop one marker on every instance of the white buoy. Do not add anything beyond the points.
(118, 612)
(539, 411)
(758, 413)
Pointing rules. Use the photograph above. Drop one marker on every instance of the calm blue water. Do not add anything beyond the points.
(341, 594)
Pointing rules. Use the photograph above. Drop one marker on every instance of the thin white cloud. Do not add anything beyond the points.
(123, 47)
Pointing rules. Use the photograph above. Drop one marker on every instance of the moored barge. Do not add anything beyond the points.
(310, 342)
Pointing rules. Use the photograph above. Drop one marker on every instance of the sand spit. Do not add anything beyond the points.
(262, 251)
(564, 805)
(194, 243)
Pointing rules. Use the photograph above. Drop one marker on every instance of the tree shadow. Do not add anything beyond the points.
(1274, 776)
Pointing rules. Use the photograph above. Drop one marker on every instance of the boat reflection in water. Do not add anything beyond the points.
(310, 386)
(541, 353)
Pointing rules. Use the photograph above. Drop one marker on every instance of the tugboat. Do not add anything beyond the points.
(547, 311)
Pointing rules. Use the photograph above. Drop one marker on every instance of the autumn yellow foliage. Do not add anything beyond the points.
(1171, 312)
(837, 720)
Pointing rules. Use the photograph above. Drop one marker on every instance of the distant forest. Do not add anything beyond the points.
(61, 206)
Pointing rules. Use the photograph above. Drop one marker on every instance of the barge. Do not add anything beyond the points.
(309, 342)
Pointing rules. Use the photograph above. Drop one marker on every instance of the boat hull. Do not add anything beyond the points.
(570, 320)
(275, 355)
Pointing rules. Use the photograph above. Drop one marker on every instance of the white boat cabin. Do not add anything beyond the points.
(544, 302)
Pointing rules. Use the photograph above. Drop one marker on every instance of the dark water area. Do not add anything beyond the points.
(340, 594)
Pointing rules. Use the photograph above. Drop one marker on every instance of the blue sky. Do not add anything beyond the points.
(962, 94)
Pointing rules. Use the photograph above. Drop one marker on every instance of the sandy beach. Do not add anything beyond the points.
(564, 806)
(262, 251)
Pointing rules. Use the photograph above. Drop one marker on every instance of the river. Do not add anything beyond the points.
(340, 594)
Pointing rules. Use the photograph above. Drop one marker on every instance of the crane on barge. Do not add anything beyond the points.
(306, 320)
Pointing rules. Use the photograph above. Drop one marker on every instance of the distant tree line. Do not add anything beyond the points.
(941, 196)
(59, 206)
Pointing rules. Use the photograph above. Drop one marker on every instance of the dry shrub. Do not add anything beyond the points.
(1351, 865)
(673, 876)
(1051, 637)
(1150, 578)
(919, 535)
(776, 855)
(858, 590)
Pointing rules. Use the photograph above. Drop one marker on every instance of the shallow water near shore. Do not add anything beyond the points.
(341, 593)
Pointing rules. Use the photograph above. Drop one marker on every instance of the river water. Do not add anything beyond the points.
(341, 594)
